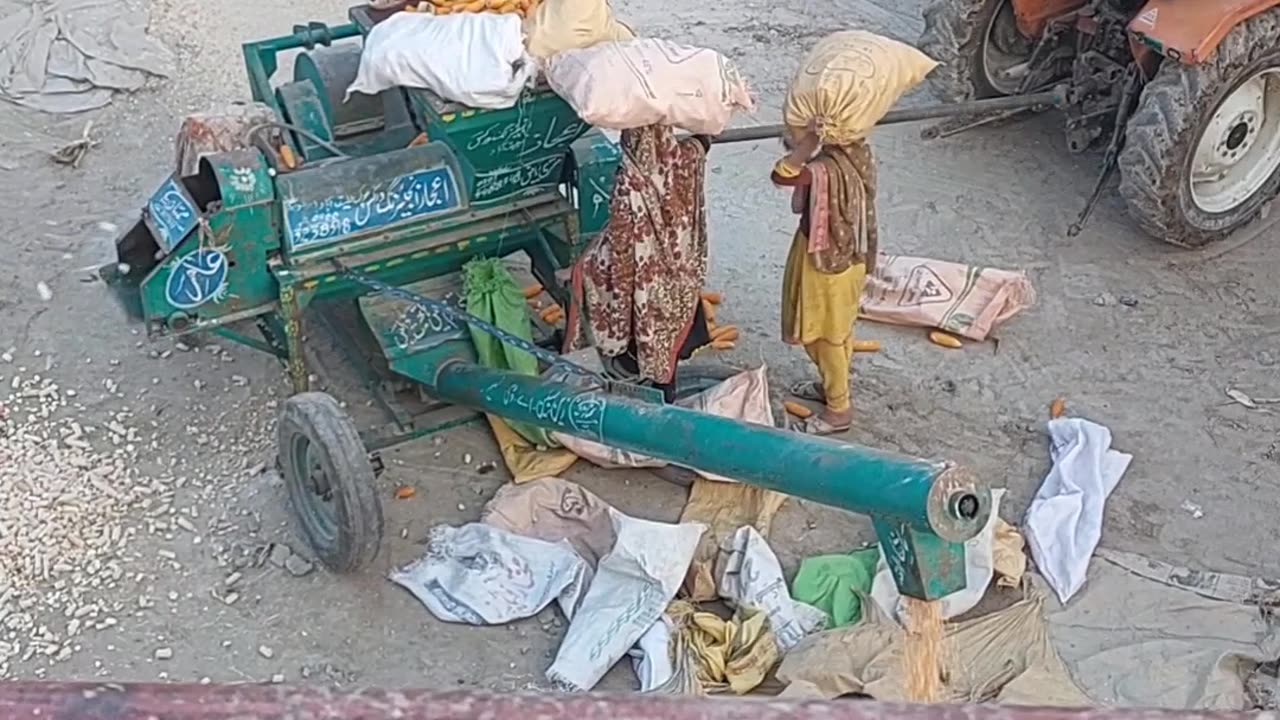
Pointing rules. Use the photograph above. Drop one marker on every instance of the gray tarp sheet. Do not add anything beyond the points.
(64, 56)
(1133, 641)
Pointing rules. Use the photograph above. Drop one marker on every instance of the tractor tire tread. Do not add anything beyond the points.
(952, 35)
(1162, 129)
(359, 511)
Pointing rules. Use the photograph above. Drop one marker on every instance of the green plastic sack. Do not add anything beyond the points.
(836, 584)
(493, 296)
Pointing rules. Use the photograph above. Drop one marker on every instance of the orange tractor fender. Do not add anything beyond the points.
(1189, 30)
(1033, 15)
(1184, 30)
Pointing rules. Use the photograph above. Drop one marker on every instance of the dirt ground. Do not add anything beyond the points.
(1138, 336)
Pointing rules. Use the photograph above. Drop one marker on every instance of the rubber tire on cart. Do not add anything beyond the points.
(955, 33)
(330, 482)
(1176, 110)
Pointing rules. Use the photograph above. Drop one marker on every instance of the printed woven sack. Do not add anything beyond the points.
(560, 25)
(625, 85)
(849, 80)
(967, 300)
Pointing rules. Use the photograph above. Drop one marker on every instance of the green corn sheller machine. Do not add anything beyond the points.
(247, 247)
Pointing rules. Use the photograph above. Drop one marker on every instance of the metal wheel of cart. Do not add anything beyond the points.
(330, 482)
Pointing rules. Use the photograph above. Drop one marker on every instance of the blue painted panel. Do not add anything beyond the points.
(197, 278)
(309, 224)
(172, 214)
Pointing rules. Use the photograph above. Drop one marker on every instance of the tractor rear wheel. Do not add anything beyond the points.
(1202, 151)
(977, 41)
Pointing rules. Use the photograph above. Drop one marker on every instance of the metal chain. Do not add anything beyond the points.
(458, 316)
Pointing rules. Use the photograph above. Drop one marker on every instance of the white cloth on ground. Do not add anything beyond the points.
(482, 575)
(1064, 522)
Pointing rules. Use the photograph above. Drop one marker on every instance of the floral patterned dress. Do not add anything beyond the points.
(642, 279)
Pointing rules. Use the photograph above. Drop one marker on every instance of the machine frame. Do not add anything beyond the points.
(365, 207)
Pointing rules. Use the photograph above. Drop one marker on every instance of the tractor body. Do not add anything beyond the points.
(1185, 94)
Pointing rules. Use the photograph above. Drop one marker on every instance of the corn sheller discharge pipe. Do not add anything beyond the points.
(921, 496)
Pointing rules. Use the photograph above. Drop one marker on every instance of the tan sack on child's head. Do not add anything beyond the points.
(849, 80)
(624, 85)
(559, 25)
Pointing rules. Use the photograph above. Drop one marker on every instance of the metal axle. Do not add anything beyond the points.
(1053, 98)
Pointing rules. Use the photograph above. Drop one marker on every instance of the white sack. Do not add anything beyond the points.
(624, 85)
(1064, 522)
(748, 574)
(481, 575)
(651, 656)
(633, 586)
(477, 59)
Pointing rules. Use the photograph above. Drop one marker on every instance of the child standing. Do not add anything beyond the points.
(833, 191)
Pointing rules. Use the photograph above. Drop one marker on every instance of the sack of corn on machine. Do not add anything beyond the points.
(551, 26)
(624, 85)
(554, 26)
(476, 59)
